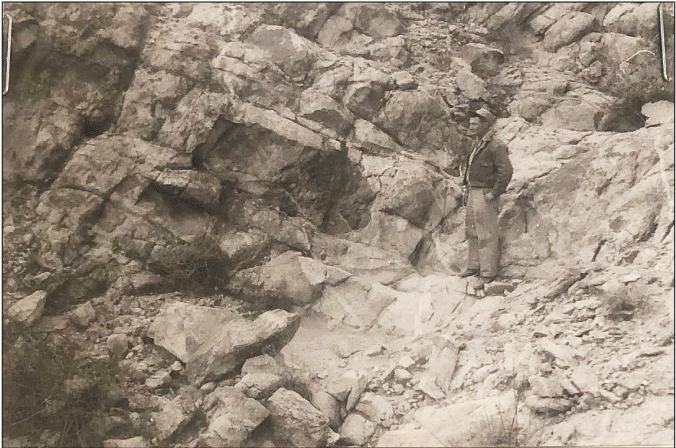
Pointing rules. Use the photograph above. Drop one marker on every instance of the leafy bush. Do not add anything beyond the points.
(46, 388)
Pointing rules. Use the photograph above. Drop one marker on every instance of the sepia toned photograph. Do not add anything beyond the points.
(304, 224)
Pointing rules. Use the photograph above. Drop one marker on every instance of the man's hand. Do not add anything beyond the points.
(489, 196)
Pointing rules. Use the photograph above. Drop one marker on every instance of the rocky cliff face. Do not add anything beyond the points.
(305, 156)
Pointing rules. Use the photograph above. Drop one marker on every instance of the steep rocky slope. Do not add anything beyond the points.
(189, 188)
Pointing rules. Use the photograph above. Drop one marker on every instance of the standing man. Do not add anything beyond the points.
(487, 171)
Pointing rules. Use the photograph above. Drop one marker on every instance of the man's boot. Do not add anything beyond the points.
(469, 273)
(481, 281)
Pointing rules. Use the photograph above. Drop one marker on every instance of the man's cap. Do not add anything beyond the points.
(486, 115)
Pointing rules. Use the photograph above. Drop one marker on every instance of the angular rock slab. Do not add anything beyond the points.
(29, 309)
(182, 328)
(357, 430)
(241, 340)
(262, 364)
(548, 405)
(328, 405)
(83, 315)
(289, 279)
(571, 27)
(260, 385)
(292, 53)
(425, 303)
(360, 259)
(173, 417)
(442, 365)
(376, 408)
(464, 424)
(235, 417)
(296, 422)
(356, 302)
(213, 342)
(658, 112)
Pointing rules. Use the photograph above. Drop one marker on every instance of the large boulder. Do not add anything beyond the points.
(541, 23)
(424, 303)
(292, 53)
(659, 112)
(215, 342)
(484, 60)
(541, 89)
(357, 302)
(260, 385)
(173, 417)
(295, 422)
(357, 430)
(336, 32)
(369, 138)
(289, 279)
(633, 19)
(411, 190)
(443, 363)
(619, 47)
(373, 20)
(376, 408)
(189, 185)
(228, 350)
(391, 233)
(366, 92)
(234, 418)
(575, 114)
(326, 111)
(376, 20)
(370, 262)
(182, 328)
(472, 86)
(569, 28)
(328, 405)
(422, 123)
(29, 309)
(306, 18)
(511, 13)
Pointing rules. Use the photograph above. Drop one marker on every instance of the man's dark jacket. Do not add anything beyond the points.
(491, 167)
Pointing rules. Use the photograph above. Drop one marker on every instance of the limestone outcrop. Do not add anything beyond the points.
(254, 211)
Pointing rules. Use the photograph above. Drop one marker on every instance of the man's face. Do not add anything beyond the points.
(477, 127)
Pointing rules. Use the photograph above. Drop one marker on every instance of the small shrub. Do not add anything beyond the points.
(506, 431)
(198, 266)
(299, 386)
(47, 389)
(502, 433)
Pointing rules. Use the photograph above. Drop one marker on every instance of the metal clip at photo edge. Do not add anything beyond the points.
(9, 51)
(663, 52)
